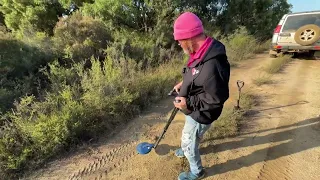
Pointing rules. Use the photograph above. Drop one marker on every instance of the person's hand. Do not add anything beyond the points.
(182, 105)
(177, 87)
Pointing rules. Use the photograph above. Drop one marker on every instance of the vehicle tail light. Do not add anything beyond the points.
(277, 29)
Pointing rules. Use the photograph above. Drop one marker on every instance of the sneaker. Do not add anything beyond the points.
(179, 153)
(190, 176)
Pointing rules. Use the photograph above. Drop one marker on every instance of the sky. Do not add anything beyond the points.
(304, 5)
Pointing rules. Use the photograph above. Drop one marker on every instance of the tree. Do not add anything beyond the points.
(258, 16)
(35, 14)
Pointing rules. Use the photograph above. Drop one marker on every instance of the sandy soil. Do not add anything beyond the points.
(280, 139)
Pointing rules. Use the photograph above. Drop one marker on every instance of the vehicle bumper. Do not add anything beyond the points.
(285, 48)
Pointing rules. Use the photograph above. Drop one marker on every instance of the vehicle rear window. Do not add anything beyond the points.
(293, 23)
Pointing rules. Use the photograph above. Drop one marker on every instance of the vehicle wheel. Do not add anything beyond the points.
(307, 35)
(317, 55)
(311, 53)
(272, 55)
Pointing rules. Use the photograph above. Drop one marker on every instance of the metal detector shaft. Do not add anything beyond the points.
(173, 114)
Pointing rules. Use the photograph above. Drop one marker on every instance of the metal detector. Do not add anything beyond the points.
(144, 147)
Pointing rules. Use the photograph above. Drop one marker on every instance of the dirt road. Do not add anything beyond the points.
(280, 139)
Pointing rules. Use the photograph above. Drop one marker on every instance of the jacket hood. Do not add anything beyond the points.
(216, 49)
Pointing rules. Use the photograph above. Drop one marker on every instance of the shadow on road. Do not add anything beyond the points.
(164, 149)
(278, 107)
(300, 138)
(255, 113)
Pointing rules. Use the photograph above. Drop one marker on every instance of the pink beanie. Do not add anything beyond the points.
(186, 26)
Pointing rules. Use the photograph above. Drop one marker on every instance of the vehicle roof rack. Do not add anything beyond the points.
(304, 12)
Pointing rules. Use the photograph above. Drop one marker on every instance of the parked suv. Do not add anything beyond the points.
(297, 32)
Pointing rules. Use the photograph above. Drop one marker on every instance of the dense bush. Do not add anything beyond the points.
(38, 15)
(79, 37)
(19, 62)
(19, 59)
(240, 45)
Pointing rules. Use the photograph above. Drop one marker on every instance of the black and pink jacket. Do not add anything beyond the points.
(206, 84)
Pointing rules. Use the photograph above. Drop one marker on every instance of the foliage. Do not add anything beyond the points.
(78, 3)
(240, 45)
(35, 14)
(19, 62)
(19, 59)
(260, 17)
(1, 19)
(81, 37)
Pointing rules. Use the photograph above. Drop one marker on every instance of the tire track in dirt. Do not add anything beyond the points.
(281, 160)
(301, 79)
(106, 163)
(223, 157)
(281, 169)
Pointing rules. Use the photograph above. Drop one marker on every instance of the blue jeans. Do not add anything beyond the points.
(192, 134)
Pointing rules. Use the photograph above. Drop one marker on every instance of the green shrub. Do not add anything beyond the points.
(13, 148)
(19, 59)
(18, 64)
(81, 37)
(26, 15)
(240, 45)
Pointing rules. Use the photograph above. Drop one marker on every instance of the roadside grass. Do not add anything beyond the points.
(277, 64)
(262, 79)
(229, 122)
(233, 64)
(262, 47)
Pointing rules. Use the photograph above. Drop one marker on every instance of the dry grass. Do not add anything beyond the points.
(262, 79)
(261, 47)
(229, 121)
(277, 64)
